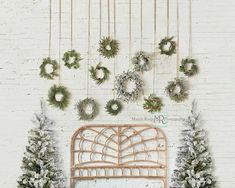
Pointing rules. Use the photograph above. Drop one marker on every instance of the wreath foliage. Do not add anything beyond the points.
(94, 75)
(108, 47)
(65, 96)
(186, 70)
(81, 109)
(113, 107)
(181, 94)
(153, 104)
(71, 59)
(137, 61)
(172, 46)
(53, 64)
(120, 86)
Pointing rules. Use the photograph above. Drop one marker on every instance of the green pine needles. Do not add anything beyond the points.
(59, 96)
(113, 107)
(49, 68)
(108, 47)
(153, 104)
(71, 59)
(167, 46)
(141, 61)
(189, 67)
(94, 73)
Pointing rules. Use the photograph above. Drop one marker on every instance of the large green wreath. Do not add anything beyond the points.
(71, 59)
(113, 107)
(189, 71)
(58, 96)
(177, 90)
(140, 57)
(81, 109)
(172, 46)
(120, 86)
(94, 76)
(43, 68)
(108, 47)
(153, 104)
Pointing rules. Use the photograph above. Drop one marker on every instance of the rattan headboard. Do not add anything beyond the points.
(118, 151)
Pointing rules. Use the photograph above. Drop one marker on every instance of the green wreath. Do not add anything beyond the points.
(177, 90)
(43, 68)
(121, 90)
(186, 70)
(94, 75)
(108, 47)
(137, 61)
(71, 59)
(58, 96)
(172, 46)
(153, 104)
(113, 107)
(81, 109)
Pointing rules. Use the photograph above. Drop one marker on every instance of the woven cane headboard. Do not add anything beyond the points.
(118, 151)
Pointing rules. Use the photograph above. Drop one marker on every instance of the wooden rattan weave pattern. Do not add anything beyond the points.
(118, 151)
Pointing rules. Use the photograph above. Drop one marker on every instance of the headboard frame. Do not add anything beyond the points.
(118, 151)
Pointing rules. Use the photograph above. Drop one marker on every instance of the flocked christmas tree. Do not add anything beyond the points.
(41, 157)
(193, 164)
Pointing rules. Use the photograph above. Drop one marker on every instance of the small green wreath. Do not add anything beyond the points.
(189, 67)
(108, 47)
(168, 43)
(81, 109)
(94, 71)
(71, 59)
(113, 107)
(121, 86)
(58, 96)
(141, 61)
(46, 64)
(153, 104)
(177, 90)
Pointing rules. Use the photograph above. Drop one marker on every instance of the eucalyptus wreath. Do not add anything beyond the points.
(108, 47)
(94, 76)
(177, 90)
(172, 46)
(81, 107)
(71, 59)
(113, 107)
(189, 71)
(121, 82)
(153, 104)
(58, 96)
(54, 68)
(141, 61)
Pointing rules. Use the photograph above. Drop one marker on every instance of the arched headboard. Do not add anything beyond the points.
(118, 151)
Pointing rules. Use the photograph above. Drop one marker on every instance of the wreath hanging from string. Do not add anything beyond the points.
(141, 62)
(113, 107)
(58, 96)
(177, 90)
(72, 59)
(167, 46)
(94, 73)
(189, 67)
(121, 83)
(49, 68)
(108, 47)
(82, 106)
(153, 104)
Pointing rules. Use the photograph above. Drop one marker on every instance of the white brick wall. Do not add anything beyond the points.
(23, 44)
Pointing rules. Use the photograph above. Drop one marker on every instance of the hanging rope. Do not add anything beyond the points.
(49, 48)
(168, 17)
(89, 44)
(114, 31)
(178, 41)
(60, 16)
(71, 17)
(141, 24)
(109, 18)
(155, 41)
(130, 32)
(190, 29)
(100, 19)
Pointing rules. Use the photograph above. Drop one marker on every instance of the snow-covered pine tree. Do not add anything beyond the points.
(193, 164)
(40, 160)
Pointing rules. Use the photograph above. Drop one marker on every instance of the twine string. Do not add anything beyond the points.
(178, 41)
(155, 40)
(130, 37)
(141, 24)
(50, 17)
(114, 31)
(109, 18)
(100, 34)
(89, 44)
(168, 17)
(71, 19)
(60, 17)
(190, 29)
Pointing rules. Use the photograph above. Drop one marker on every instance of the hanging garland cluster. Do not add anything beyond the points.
(167, 46)
(94, 73)
(81, 107)
(113, 107)
(189, 67)
(108, 47)
(71, 59)
(121, 82)
(49, 68)
(141, 61)
(153, 104)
